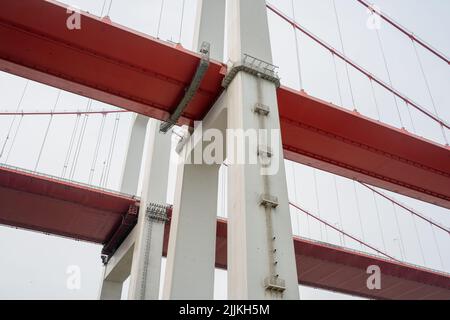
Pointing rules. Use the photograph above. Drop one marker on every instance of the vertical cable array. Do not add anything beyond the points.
(97, 147)
(379, 220)
(358, 209)
(47, 130)
(69, 149)
(160, 18)
(80, 141)
(418, 239)
(333, 56)
(402, 247)
(380, 44)
(297, 48)
(341, 223)
(104, 183)
(343, 51)
(182, 20)
(317, 205)
(14, 118)
(427, 85)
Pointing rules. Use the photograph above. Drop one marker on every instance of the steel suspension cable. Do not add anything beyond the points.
(338, 205)
(427, 85)
(13, 120)
(97, 147)
(297, 50)
(341, 102)
(405, 207)
(160, 18)
(69, 150)
(80, 141)
(375, 99)
(437, 246)
(111, 151)
(358, 210)
(379, 220)
(14, 139)
(341, 231)
(343, 51)
(358, 68)
(58, 113)
(386, 67)
(47, 130)
(182, 20)
(402, 247)
(418, 239)
(317, 203)
(406, 32)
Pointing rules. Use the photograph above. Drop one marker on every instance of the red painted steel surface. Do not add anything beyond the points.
(103, 60)
(48, 205)
(333, 268)
(113, 64)
(346, 143)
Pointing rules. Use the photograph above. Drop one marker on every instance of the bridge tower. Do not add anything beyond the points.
(261, 261)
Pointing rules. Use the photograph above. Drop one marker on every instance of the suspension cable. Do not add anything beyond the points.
(47, 130)
(14, 139)
(375, 100)
(338, 205)
(58, 113)
(341, 231)
(111, 151)
(418, 239)
(297, 50)
(13, 120)
(386, 67)
(69, 150)
(401, 205)
(359, 68)
(97, 147)
(317, 203)
(80, 141)
(427, 85)
(341, 103)
(160, 18)
(437, 246)
(406, 32)
(182, 20)
(379, 220)
(358, 209)
(343, 51)
(402, 247)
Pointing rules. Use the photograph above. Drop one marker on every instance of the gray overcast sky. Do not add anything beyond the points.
(33, 266)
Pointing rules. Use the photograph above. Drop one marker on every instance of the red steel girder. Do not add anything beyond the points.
(113, 64)
(45, 204)
(49, 205)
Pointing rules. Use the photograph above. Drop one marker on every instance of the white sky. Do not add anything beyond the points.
(33, 266)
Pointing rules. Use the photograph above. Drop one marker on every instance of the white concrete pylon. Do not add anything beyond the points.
(210, 27)
(261, 261)
(191, 254)
(111, 286)
(147, 254)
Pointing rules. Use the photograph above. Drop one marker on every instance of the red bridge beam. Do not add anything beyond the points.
(49, 205)
(149, 76)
